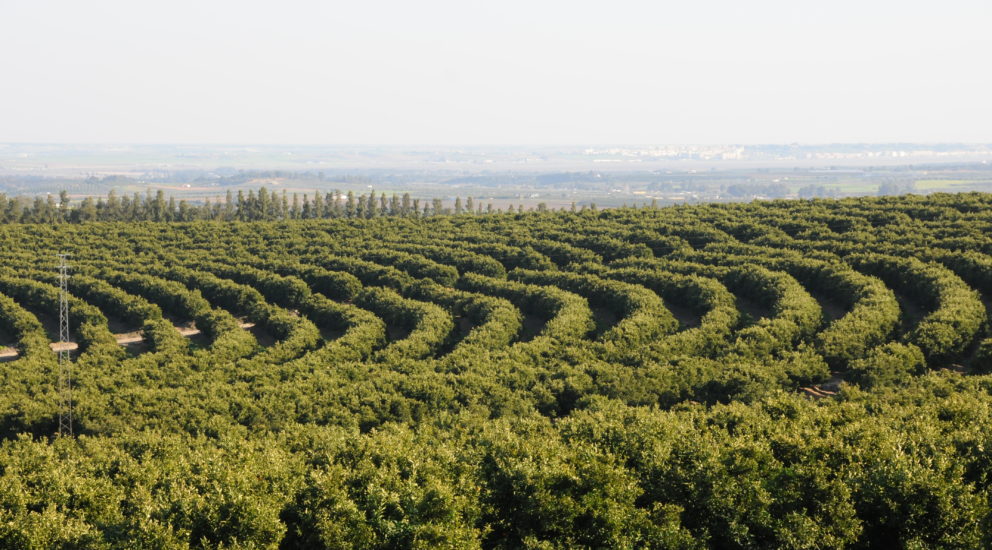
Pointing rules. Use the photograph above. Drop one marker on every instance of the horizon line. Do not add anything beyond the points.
(483, 145)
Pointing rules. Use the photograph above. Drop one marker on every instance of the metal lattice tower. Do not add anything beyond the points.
(65, 365)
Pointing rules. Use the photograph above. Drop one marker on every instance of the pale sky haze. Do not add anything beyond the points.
(465, 72)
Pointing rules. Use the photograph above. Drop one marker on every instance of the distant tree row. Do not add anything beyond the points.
(263, 205)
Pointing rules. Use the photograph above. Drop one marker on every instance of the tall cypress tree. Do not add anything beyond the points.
(318, 205)
(370, 205)
(350, 208)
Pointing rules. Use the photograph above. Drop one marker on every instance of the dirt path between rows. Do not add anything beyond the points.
(188, 330)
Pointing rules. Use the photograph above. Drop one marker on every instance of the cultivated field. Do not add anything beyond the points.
(788, 374)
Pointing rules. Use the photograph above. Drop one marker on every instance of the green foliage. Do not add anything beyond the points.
(983, 357)
(892, 363)
(357, 374)
(956, 312)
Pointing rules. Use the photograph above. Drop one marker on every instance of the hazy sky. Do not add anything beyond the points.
(499, 72)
